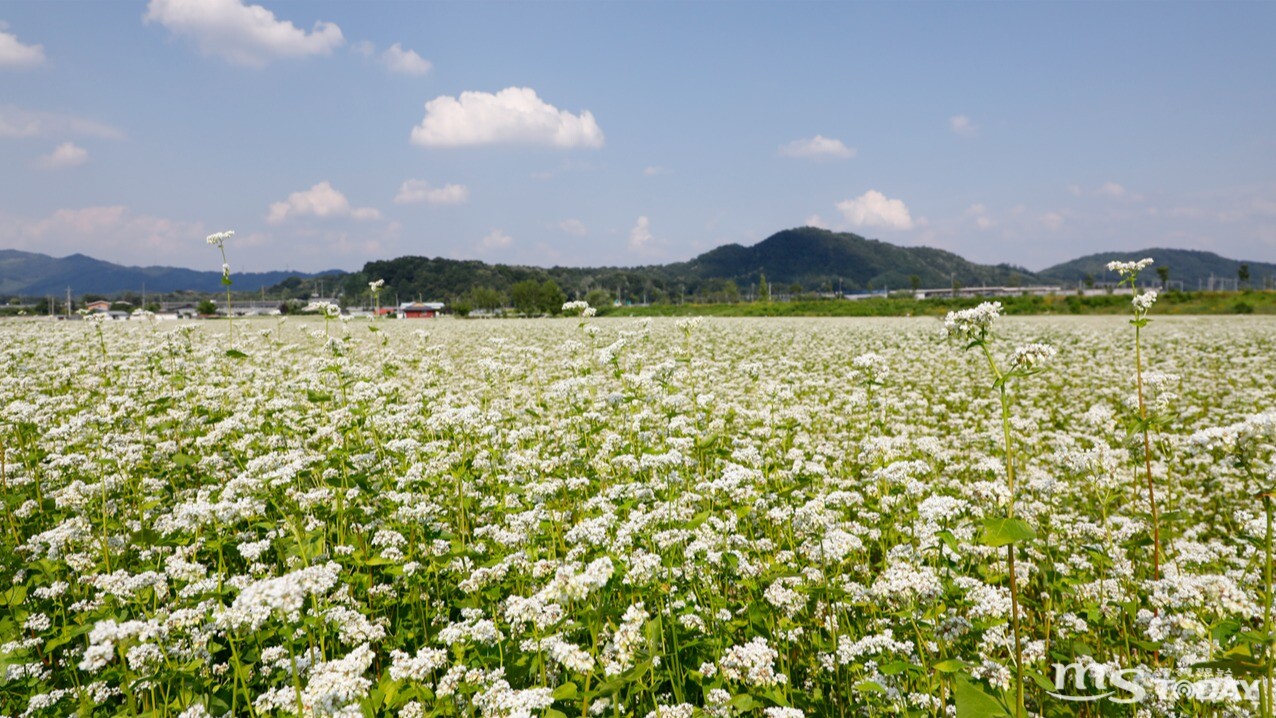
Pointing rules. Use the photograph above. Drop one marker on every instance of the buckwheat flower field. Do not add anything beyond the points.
(609, 517)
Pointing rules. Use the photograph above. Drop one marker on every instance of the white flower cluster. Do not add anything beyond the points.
(1031, 356)
(219, 239)
(752, 664)
(618, 656)
(1143, 302)
(579, 308)
(1127, 269)
(972, 323)
(281, 597)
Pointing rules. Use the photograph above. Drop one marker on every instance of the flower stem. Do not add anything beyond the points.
(1147, 456)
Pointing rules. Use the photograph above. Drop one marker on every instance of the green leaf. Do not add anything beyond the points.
(744, 702)
(952, 665)
(14, 596)
(949, 540)
(236, 354)
(565, 692)
(1002, 531)
(869, 687)
(974, 702)
(183, 459)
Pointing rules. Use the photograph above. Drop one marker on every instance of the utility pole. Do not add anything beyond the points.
(68, 302)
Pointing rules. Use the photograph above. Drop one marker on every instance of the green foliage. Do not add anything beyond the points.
(207, 307)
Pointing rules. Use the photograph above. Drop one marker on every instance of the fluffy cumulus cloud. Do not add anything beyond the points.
(322, 201)
(242, 34)
(67, 154)
(15, 54)
(818, 147)
(415, 191)
(112, 231)
(962, 126)
(640, 237)
(514, 115)
(874, 209)
(407, 62)
(19, 122)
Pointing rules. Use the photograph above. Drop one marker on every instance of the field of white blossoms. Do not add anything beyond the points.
(636, 518)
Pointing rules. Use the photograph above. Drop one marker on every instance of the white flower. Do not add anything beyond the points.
(219, 239)
(1128, 269)
(1031, 356)
(1144, 302)
(972, 323)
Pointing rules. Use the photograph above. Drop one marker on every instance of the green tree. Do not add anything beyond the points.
(206, 306)
(764, 289)
(551, 298)
(1163, 272)
(730, 292)
(526, 297)
(486, 298)
(599, 298)
(1242, 275)
(915, 282)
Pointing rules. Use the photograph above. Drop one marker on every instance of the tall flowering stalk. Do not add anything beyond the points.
(1129, 273)
(375, 287)
(972, 326)
(219, 240)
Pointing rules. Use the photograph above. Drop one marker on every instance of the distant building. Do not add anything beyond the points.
(420, 310)
(100, 305)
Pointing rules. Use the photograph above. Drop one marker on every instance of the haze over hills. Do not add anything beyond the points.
(30, 274)
(814, 259)
(1192, 267)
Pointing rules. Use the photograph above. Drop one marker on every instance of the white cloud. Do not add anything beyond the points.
(14, 54)
(818, 147)
(496, 239)
(514, 115)
(1052, 220)
(407, 62)
(1112, 189)
(242, 34)
(415, 191)
(108, 232)
(874, 209)
(67, 154)
(963, 126)
(17, 122)
(322, 201)
(654, 170)
(816, 220)
(979, 213)
(640, 236)
(574, 227)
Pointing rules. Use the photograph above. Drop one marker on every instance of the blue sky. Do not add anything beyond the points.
(327, 134)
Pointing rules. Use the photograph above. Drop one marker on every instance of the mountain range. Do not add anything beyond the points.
(804, 258)
(30, 274)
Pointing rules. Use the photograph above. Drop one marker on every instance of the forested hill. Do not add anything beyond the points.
(1191, 267)
(806, 259)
